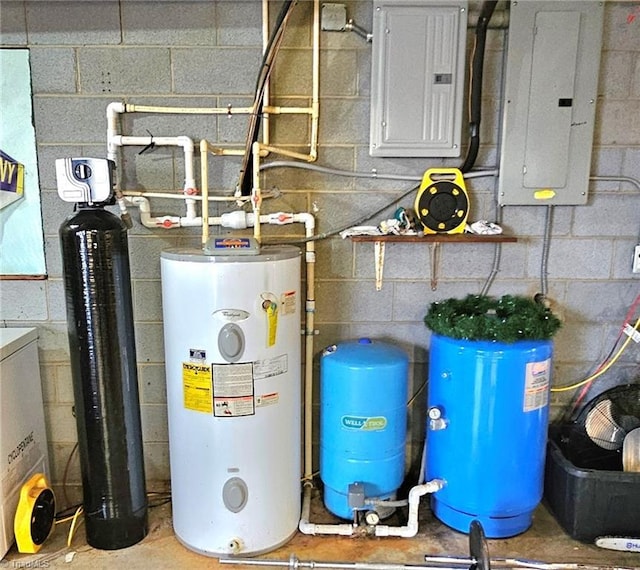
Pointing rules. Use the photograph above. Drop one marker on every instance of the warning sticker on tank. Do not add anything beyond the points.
(233, 390)
(233, 407)
(536, 385)
(270, 367)
(196, 387)
(288, 302)
(267, 400)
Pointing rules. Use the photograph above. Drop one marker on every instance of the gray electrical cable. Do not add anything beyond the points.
(337, 172)
(371, 175)
(346, 227)
(633, 181)
(497, 257)
(497, 251)
(628, 179)
(548, 222)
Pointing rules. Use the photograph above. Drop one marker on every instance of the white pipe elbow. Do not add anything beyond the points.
(186, 143)
(114, 110)
(307, 219)
(306, 527)
(411, 528)
(189, 175)
(144, 208)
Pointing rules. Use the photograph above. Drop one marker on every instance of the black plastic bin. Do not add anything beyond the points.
(589, 503)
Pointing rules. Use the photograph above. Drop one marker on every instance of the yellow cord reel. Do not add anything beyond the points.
(442, 203)
(35, 514)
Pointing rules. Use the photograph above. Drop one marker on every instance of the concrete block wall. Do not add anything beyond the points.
(203, 53)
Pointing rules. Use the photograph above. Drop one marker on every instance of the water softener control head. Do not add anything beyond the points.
(85, 180)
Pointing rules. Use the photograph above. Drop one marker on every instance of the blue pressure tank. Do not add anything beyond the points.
(488, 409)
(363, 423)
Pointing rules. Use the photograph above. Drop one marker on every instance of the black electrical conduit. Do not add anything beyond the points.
(475, 96)
(246, 171)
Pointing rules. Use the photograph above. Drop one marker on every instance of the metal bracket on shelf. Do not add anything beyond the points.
(435, 262)
(434, 241)
(379, 262)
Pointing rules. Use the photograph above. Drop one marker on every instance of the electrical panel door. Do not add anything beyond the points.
(550, 96)
(417, 77)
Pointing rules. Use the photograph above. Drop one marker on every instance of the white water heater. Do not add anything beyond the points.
(232, 356)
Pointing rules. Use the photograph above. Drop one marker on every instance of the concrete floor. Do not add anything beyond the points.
(545, 541)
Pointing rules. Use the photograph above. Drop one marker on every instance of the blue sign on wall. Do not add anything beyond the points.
(21, 234)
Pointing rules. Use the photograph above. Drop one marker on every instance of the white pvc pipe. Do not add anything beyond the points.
(315, 95)
(306, 527)
(113, 113)
(265, 95)
(171, 196)
(166, 222)
(238, 219)
(182, 141)
(411, 528)
(256, 197)
(408, 531)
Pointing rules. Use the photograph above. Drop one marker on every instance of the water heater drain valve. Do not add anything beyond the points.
(235, 545)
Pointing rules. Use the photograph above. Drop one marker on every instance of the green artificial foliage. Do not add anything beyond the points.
(478, 317)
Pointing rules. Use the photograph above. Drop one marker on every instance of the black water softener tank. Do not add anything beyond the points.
(103, 359)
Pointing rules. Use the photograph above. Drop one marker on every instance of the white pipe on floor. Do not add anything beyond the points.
(345, 529)
(411, 528)
(306, 527)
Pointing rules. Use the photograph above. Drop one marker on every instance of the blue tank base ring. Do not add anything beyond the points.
(338, 504)
(494, 527)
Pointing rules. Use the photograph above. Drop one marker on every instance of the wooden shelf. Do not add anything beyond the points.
(438, 238)
(434, 240)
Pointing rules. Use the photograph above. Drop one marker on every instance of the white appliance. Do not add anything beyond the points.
(23, 440)
(232, 355)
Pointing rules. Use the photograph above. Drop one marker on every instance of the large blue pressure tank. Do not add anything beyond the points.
(487, 431)
(363, 422)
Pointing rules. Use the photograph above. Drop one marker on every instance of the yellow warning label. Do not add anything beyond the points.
(272, 318)
(196, 385)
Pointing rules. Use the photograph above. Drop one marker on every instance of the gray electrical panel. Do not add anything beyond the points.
(550, 97)
(417, 82)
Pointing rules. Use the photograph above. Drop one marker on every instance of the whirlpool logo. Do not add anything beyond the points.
(376, 423)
